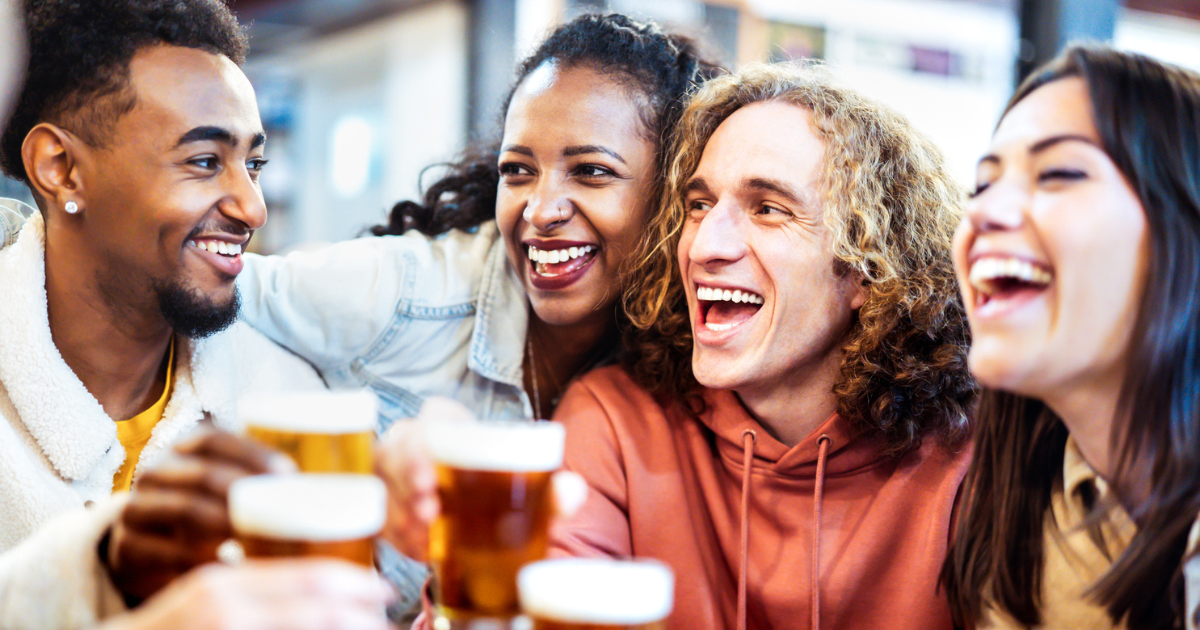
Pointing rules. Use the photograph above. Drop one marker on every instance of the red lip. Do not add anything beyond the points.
(226, 265)
(556, 283)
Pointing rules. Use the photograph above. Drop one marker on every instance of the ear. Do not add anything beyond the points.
(51, 158)
(859, 288)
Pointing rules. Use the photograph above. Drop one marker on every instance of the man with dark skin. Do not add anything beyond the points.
(141, 141)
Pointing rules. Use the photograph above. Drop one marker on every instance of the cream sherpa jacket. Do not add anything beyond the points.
(59, 450)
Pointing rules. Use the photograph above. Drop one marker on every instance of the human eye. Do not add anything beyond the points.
(593, 171)
(1061, 175)
(980, 187)
(255, 166)
(771, 210)
(205, 162)
(513, 170)
(697, 208)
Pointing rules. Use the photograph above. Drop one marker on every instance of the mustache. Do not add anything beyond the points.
(221, 226)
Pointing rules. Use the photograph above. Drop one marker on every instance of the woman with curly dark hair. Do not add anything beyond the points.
(502, 284)
(1079, 260)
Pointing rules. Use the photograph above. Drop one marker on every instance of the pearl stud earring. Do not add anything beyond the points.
(71, 207)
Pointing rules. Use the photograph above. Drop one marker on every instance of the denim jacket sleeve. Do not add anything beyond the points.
(332, 305)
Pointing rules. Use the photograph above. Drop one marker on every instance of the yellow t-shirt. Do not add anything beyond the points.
(135, 432)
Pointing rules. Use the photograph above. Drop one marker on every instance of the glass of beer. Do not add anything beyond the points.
(493, 481)
(324, 432)
(597, 594)
(336, 515)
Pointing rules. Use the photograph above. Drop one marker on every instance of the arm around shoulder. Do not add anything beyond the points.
(326, 305)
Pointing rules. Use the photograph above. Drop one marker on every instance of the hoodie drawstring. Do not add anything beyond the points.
(749, 438)
(823, 443)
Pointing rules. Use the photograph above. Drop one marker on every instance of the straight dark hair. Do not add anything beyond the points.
(1147, 115)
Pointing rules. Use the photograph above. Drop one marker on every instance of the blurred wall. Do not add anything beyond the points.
(354, 117)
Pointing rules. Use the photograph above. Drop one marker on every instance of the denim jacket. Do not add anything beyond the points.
(409, 316)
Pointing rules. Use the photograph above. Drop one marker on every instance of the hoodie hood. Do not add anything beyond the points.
(849, 452)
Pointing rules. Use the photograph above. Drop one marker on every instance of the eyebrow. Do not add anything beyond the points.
(774, 186)
(761, 184)
(582, 149)
(696, 184)
(1043, 145)
(218, 134)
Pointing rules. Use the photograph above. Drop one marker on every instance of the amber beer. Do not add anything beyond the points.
(493, 481)
(335, 515)
(321, 431)
(585, 594)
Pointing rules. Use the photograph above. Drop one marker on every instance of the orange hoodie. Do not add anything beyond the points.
(665, 486)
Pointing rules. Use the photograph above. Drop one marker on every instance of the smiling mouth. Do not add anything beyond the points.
(560, 262)
(1006, 278)
(724, 309)
(214, 246)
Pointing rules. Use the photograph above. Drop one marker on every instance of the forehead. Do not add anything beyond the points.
(179, 89)
(1061, 107)
(770, 140)
(576, 103)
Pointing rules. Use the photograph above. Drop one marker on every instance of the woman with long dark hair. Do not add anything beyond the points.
(1079, 262)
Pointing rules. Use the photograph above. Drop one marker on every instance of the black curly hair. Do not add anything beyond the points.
(79, 54)
(659, 66)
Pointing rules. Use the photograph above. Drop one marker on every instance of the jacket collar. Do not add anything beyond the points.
(501, 321)
(67, 422)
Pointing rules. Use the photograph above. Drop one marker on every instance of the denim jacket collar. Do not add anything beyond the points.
(501, 322)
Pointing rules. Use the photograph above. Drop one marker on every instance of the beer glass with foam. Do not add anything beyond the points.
(335, 515)
(493, 481)
(325, 432)
(596, 594)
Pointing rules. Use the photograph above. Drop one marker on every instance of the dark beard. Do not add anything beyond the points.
(192, 314)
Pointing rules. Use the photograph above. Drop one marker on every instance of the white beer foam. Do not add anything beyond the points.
(587, 590)
(330, 412)
(316, 507)
(514, 446)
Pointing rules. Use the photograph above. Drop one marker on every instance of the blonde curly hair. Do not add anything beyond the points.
(891, 210)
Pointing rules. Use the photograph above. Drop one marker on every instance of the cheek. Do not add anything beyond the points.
(508, 211)
(959, 248)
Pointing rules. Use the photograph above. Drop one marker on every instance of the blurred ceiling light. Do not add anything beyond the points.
(350, 152)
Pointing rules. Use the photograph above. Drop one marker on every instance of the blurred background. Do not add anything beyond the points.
(360, 96)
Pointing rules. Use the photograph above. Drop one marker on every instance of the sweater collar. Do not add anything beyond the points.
(728, 419)
(67, 422)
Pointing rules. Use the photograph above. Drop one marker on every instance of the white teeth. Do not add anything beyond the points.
(718, 327)
(990, 268)
(709, 294)
(217, 247)
(557, 255)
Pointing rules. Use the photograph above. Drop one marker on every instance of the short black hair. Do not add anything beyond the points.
(79, 54)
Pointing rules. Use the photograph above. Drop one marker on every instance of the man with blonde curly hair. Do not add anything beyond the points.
(804, 469)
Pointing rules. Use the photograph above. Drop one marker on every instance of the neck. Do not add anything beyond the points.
(557, 354)
(792, 408)
(1089, 411)
(118, 350)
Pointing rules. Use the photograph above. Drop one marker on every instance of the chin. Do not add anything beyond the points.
(712, 376)
(567, 310)
(999, 370)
